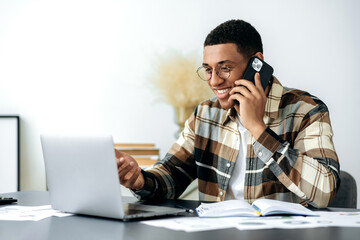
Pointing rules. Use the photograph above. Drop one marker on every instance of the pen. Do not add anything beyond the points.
(188, 210)
(6, 198)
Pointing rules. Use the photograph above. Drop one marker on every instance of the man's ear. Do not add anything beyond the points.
(259, 55)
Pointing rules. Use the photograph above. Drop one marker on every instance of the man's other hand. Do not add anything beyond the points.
(129, 171)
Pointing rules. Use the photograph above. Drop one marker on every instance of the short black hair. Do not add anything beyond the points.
(242, 33)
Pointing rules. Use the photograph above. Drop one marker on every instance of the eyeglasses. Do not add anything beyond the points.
(222, 70)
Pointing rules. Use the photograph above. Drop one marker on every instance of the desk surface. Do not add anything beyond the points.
(83, 227)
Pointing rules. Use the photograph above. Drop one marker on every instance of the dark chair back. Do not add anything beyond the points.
(346, 196)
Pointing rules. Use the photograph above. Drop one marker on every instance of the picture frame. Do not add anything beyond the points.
(9, 153)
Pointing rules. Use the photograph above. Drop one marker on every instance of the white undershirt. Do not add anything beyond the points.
(236, 185)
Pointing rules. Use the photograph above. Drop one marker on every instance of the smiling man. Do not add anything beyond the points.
(247, 142)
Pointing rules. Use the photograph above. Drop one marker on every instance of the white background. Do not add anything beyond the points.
(84, 67)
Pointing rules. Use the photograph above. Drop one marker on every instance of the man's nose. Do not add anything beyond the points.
(215, 79)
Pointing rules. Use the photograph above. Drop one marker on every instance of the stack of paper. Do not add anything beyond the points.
(26, 213)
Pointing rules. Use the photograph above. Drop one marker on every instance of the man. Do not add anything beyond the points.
(274, 144)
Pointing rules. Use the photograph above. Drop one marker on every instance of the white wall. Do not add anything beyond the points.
(75, 66)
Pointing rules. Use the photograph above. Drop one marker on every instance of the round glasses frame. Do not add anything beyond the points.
(222, 71)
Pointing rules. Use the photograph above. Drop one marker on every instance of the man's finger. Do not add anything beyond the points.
(124, 170)
(242, 90)
(118, 154)
(122, 163)
(258, 80)
(134, 177)
(246, 83)
(129, 178)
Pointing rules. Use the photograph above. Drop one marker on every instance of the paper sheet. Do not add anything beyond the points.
(282, 222)
(26, 213)
(341, 219)
(325, 219)
(189, 224)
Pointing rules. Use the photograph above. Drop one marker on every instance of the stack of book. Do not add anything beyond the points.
(146, 154)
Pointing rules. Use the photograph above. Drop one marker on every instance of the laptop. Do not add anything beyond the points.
(82, 178)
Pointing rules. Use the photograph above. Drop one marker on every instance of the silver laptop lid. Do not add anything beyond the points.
(82, 176)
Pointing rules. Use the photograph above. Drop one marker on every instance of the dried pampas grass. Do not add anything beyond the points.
(176, 79)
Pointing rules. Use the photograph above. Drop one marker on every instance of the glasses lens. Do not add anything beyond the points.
(223, 72)
(203, 74)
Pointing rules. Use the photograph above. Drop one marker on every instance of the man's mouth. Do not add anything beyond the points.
(222, 91)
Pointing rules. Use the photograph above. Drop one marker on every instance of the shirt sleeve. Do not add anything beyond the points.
(308, 166)
(169, 178)
(149, 189)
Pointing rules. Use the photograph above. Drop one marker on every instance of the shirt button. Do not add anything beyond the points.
(228, 164)
(221, 193)
(260, 154)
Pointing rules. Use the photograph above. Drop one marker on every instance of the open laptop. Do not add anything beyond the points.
(82, 178)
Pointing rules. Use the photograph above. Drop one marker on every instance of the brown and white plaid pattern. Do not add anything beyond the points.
(294, 160)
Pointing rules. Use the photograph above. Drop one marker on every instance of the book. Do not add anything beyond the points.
(145, 154)
(260, 207)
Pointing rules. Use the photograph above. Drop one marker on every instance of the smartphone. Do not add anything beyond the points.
(257, 65)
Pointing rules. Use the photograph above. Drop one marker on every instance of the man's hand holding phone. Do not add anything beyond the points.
(129, 171)
(251, 107)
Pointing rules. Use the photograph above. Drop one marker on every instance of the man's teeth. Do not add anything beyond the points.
(222, 90)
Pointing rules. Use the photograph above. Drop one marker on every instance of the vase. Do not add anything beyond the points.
(182, 114)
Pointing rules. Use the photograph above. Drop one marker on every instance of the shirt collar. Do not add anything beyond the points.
(273, 99)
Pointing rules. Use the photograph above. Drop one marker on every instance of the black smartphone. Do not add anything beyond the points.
(257, 65)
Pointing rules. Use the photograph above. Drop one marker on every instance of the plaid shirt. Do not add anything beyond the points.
(293, 160)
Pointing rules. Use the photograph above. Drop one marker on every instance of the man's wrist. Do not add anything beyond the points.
(258, 131)
(148, 189)
(142, 183)
(268, 140)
